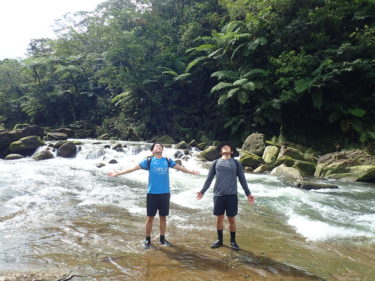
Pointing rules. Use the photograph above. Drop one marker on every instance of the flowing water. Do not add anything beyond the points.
(65, 219)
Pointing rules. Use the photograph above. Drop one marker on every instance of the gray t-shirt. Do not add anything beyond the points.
(226, 177)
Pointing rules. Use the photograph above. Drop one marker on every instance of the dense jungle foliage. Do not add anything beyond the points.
(207, 69)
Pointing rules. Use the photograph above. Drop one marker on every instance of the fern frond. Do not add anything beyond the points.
(220, 86)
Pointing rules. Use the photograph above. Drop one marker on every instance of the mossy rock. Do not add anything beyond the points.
(288, 161)
(20, 126)
(306, 168)
(270, 154)
(42, 155)
(14, 157)
(209, 154)
(202, 145)
(292, 153)
(26, 146)
(182, 145)
(252, 160)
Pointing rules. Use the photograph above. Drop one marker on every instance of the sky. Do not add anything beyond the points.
(23, 20)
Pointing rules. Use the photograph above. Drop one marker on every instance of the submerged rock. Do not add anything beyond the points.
(67, 150)
(43, 155)
(308, 185)
(14, 157)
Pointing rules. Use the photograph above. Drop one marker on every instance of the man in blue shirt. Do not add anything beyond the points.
(158, 195)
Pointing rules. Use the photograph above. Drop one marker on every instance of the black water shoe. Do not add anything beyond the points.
(234, 245)
(217, 244)
(146, 244)
(164, 242)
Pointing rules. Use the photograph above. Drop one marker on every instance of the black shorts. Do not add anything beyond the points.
(158, 202)
(226, 203)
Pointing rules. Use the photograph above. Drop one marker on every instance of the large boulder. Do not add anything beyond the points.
(254, 143)
(287, 173)
(7, 137)
(67, 150)
(252, 160)
(350, 165)
(270, 154)
(26, 146)
(209, 154)
(306, 168)
(43, 155)
(33, 131)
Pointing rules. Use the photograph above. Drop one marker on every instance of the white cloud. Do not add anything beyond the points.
(23, 20)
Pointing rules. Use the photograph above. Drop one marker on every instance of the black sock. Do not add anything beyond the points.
(232, 236)
(148, 239)
(220, 235)
(162, 238)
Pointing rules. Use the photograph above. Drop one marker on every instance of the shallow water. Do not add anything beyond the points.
(65, 218)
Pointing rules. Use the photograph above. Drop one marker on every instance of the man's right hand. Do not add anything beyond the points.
(199, 195)
(112, 174)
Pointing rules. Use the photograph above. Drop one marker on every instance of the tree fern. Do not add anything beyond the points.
(220, 86)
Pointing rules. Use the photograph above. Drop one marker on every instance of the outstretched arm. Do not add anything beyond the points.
(127, 171)
(183, 169)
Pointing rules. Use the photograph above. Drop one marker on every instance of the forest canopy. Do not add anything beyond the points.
(302, 69)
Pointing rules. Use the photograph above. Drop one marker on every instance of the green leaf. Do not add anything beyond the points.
(194, 62)
(220, 86)
(357, 112)
(302, 85)
(240, 82)
(242, 97)
(225, 74)
(249, 86)
(222, 99)
(317, 99)
(233, 92)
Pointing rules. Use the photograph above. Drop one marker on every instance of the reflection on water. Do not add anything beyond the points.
(65, 219)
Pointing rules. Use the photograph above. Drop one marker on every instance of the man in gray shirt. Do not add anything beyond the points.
(226, 170)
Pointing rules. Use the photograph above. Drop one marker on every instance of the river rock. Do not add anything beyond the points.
(33, 131)
(270, 154)
(21, 126)
(178, 154)
(43, 155)
(59, 144)
(252, 160)
(13, 157)
(26, 146)
(193, 143)
(7, 137)
(261, 169)
(100, 165)
(209, 154)
(181, 145)
(56, 136)
(113, 161)
(202, 145)
(255, 144)
(104, 137)
(69, 132)
(287, 173)
(350, 165)
(118, 147)
(67, 150)
(308, 185)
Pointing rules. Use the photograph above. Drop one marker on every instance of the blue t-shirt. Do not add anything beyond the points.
(158, 177)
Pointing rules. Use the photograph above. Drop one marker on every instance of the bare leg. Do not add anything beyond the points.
(163, 224)
(232, 224)
(149, 222)
(220, 222)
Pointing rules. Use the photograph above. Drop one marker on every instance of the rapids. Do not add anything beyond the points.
(65, 219)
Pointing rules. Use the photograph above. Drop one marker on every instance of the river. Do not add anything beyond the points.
(65, 219)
